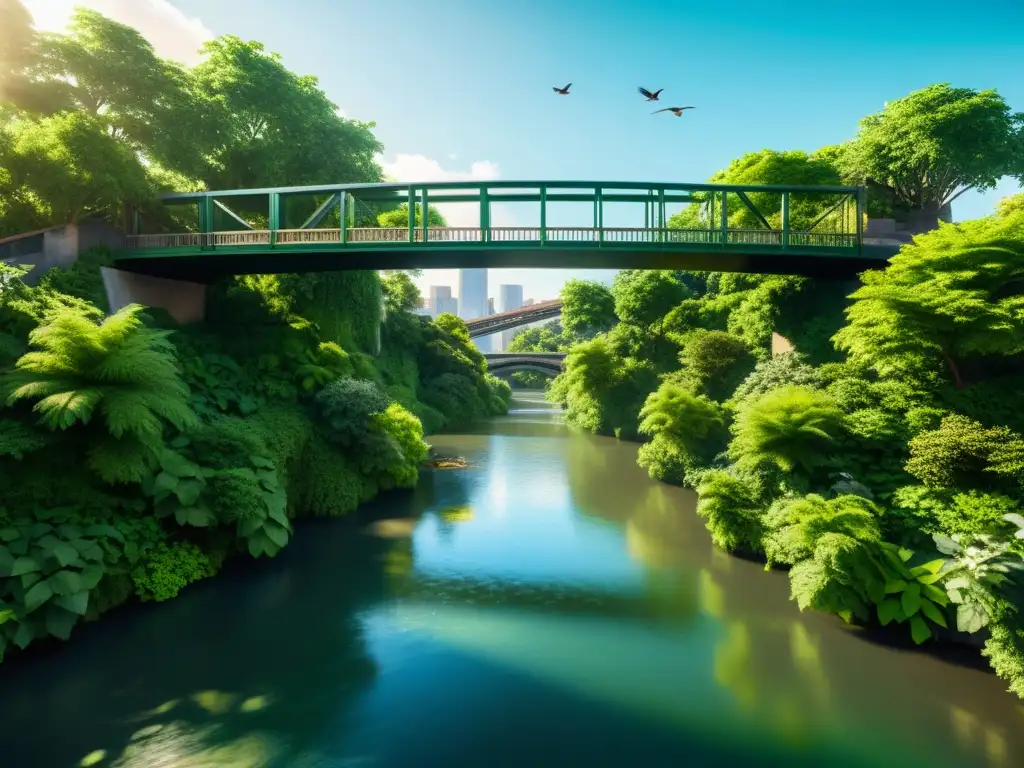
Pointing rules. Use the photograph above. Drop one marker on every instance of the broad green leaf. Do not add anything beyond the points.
(934, 594)
(189, 490)
(946, 545)
(88, 549)
(38, 530)
(28, 579)
(247, 526)
(279, 515)
(25, 565)
(9, 534)
(65, 582)
(1013, 517)
(929, 578)
(91, 576)
(971, 617)
(892, 587)
(177, 465)
(932, 566)
(887, 610)
(6, 562)
(76, 603)
(64, 554)
(60, 622)
(180, 441)
(910, 600)
(165, 483)
(37, 595)
(19, 546)
(6, 615)
(255, 545)
(103, 529)
(276, 533)
(931, 611)
(69, 531)
(26, 634)
(919, 629)
(198, 516)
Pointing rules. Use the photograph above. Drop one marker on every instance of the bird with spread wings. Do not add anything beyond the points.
(650, 96)
(562, 91)
(677, 111)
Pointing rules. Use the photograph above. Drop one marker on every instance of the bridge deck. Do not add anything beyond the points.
(203, 256)
(804, 230)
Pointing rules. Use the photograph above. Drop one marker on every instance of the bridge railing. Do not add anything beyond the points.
(554, 235)
(719, 216)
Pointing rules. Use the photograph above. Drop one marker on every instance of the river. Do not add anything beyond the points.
(547, 606)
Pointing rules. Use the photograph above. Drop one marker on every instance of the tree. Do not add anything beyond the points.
(768, 167)
(400, 292)
(548, 338)
(951, 296)
(275, 127)
(1009, 205)
(70, 167)
(399, 217)
(588, 308)
(644, 296)
(715, 362)
(925, 150)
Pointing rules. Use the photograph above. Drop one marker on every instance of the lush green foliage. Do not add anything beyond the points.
(136, 455)
(926, 149)
(880, 461)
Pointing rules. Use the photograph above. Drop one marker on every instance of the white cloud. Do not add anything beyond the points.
(172, 34)
(421, 168)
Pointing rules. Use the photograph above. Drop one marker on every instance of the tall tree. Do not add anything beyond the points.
(588, 308)
(768, 167)
(276, 127)
(70, 167)
(644, 296)
(952, 296)
(17, 51)
(925, 150)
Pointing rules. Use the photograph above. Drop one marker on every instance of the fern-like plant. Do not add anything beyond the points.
(791, 427)
(117, 378)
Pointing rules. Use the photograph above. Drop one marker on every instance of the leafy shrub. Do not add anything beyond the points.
(408, 451)
(47, 574)
(791, 427)
(167, 569)
(960, 454)
(119, 370)
(688, 430)
(731, 508)
(794, 526)
(343, 409)
(785, 369)
(716, 362)
(1005, 651)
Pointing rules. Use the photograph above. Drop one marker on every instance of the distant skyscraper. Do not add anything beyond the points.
(510, 297)
(440, 299)
(473, 300)
(490, 306)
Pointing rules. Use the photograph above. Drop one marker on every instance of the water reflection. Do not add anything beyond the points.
(547, 606)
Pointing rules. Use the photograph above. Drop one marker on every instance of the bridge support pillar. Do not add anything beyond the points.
(185, 302)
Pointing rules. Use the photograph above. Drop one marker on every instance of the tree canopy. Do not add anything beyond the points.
(951, 296)
(588, 308)
(99, 120)
(926, 149)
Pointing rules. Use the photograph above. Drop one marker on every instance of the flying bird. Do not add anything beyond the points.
(650, 96)
(677, 111)
(563, 91)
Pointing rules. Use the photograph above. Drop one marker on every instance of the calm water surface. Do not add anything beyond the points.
(549, 606)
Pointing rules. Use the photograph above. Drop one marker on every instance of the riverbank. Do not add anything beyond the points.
(549, 594)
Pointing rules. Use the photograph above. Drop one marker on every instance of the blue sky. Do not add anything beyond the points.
(462, 88)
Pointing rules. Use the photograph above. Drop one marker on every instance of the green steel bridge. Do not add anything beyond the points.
(816, 231)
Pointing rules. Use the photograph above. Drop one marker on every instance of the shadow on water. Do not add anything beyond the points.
(249, 656)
